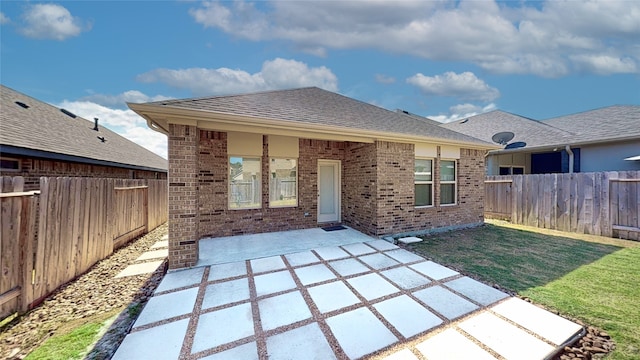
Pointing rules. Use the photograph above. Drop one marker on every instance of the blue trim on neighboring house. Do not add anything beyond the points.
(14, 150)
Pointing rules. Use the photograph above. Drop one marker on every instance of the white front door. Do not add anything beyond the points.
(328, 190)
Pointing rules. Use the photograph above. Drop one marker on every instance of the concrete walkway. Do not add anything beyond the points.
(339, 302)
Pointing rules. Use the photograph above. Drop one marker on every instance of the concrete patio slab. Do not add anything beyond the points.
(407, 316)
(283, 310)
(302, 258)
(365, 309)
(433, 270)
(238, 324)
(505, 338)
(162, 307)
(359, 332)
(267, 264)
(153, 254)
(378, 261)
(332, 296)
(450, 344)
(358, 249)
(331, 253)
(548, 325)
(139, 269)
(445, 302)
(180, 278)
(476, 291)
(246, 352)
(160, 342)
(255, 246)
(306, 342)
(226, 293)
(372, 286)
(404, 354)
(405, 278)
(228, 270)
(274, 282)
(348, 267)
(382, 245)
(404, 256)
(314, 274)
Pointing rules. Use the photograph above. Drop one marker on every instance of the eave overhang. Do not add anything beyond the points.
(159, 117)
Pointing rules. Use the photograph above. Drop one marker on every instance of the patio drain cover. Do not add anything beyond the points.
(334, 228)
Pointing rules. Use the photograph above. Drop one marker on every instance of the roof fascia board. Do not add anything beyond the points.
(14, 150)
(561, 146)
(231, 122)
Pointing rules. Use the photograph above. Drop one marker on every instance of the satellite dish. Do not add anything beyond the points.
(515, 145)
(502, 138)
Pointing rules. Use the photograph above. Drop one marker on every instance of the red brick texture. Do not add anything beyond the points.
(32, 169)
(377, 194)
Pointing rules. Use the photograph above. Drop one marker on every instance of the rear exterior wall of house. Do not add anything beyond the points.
(377, 191)
(34, 168)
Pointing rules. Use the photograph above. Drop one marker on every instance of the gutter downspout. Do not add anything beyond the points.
(570, 152)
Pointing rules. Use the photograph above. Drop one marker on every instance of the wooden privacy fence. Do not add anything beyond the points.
(604, 203)
(53, 235)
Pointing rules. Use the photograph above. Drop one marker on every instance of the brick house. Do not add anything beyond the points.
(38, 139)
(305, 158)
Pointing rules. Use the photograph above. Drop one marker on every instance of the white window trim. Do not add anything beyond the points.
(19, 169)
(297, 183)
(454, 182)
(259, 206)
(424, 182)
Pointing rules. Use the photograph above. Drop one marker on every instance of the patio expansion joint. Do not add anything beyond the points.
(187, 344)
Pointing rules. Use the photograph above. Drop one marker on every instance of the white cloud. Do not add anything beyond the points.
(120, 100)
(512, 37)
(384, 79)
(4, 19)
(275, 74)
(464, 85)
(605, 64)
(50, 21)
(124, 122)
(462, 111)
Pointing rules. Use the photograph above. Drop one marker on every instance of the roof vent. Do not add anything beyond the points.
(68, 113)
(22, 105)
(95, 124)
(464, 121)
(101, 138)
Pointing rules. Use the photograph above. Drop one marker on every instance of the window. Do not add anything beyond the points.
(245, 183)
(423, 179)
(447, 182)
(283, 182)
(8, 164)
(511, 170)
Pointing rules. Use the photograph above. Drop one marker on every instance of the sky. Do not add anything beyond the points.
(445, 60)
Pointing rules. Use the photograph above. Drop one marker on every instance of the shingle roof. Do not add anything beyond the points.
(533, 132)
(609, 123)
(613, 123)
(320, 107)
(51, 133)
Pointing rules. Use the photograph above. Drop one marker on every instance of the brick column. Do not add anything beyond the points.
(183, 196)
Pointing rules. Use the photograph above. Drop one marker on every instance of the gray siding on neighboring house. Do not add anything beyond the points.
(609, 157)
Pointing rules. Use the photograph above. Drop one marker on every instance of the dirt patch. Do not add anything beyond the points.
(93, 297)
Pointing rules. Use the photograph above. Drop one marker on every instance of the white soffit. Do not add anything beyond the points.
(244, 144)
(426, 150)
(449, 152)
(283, 146)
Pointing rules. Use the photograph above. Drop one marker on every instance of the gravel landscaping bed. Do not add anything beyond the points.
(93, 297)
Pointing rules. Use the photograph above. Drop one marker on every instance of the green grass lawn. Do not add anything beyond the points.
(596, 283)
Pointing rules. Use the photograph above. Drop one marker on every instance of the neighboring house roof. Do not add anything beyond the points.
(533, 132)
(300, 111)
(614, 123)
(37, 129)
